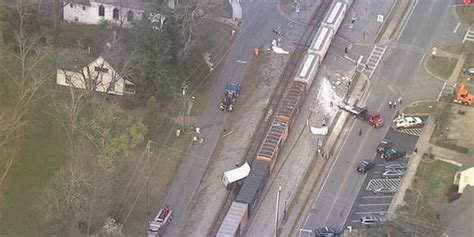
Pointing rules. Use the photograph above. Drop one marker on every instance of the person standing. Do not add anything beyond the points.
(390, 104)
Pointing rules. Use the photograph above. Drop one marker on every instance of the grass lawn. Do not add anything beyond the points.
(41, 155)
(441, 66)
(421, 108)
(466, 13)
(71, 34)
(429, 191)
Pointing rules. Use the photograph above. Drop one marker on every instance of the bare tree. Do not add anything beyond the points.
(27, 77)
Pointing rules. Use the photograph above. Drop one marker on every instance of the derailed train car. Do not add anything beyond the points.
(247, 199)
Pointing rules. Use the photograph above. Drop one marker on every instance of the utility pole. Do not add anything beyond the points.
(184, 89)
(148, 177)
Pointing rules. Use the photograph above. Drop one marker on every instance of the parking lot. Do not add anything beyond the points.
(368, 203)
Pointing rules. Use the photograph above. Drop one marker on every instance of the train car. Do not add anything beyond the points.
(260, 167)
(274, 140)
(321, 42)
(335, 15)
(348, 2)
(234, 221)
(251, 190)
(308, 69)
(290, 106)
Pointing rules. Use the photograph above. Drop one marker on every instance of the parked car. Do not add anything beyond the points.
(393, 174)
(370, 220)
(395, 166)
(384, 190)
(408, 122)
(364, 166)
(327, 232)
(392, 154)
(384, 144)
(469, 71)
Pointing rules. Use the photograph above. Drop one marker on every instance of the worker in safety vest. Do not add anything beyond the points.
(195, 138)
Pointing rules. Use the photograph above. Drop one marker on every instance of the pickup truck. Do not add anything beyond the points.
(374, 118)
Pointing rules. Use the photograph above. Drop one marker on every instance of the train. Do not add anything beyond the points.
(247, 198)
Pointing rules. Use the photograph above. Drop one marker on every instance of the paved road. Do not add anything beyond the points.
(400, 72)
(259, 19)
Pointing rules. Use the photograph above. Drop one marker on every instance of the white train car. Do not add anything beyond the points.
(321, 42)
(348, 2)
(335, 15)
(308, 69)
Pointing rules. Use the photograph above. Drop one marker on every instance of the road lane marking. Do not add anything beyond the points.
(242, 61)
(457, 27)
(408, 19)
(344, 181)
(355, 221)
(370, 205)
(377, 196)
(421, 61)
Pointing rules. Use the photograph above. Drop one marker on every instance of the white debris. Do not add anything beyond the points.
(277, 49)
(319, 131)
(328, 98)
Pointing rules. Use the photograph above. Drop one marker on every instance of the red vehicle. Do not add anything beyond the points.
(374, 118)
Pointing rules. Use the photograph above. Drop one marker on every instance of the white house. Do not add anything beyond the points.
(464, 178)
(93, 75)
(119, 12)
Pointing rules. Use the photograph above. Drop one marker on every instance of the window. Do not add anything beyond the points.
(101, 69)
(130, 88)
(101, 10)
(71, 5)
(115, 14)
(84, 8)
(129, 15)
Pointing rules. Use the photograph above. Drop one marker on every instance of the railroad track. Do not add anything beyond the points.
(275, 99)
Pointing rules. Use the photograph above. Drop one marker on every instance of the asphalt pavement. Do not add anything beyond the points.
(368, 203)
(259, 19)
(399, 73)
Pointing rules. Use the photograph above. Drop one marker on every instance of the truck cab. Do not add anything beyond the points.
(375, 119)
(231, 94)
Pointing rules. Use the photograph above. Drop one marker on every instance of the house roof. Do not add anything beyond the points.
(132, 4)
(74, 59)
(457, 216)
